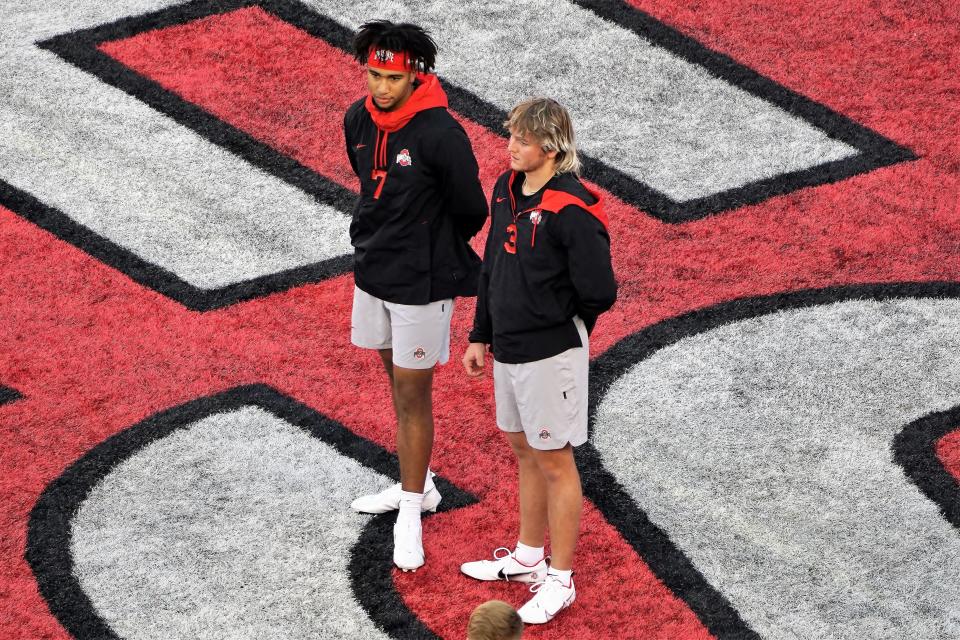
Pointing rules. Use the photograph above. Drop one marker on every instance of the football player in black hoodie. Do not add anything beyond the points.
(420, 202)
(546, 278)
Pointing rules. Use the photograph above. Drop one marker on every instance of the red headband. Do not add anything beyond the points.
(391, 60)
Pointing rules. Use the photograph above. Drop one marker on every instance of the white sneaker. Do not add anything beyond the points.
(552, 596)
(389, 499)
(408, 544)
(505, 566)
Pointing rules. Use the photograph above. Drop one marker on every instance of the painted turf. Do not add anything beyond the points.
(682, 131)
(92, 352)
(764, 449)
(234, 525)
(141, 180)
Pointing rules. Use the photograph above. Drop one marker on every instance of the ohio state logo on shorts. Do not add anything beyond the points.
(419, 354)
(404, 159)
(544, 434)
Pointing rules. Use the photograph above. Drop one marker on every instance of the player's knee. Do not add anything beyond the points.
(554, 475)
(412, 385)
(558, 467)
(412, 394)
(518, 443)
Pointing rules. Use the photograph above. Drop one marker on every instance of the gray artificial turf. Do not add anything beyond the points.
(136, 177)
(235, 527)
(763, 449)
(638, 107)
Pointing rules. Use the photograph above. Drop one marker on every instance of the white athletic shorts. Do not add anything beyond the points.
(419, 334)
(545, 399)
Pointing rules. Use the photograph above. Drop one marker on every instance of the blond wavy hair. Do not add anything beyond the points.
(494, 620)
(546, 120)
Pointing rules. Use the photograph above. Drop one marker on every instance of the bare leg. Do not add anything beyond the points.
(533, 492)
(386, 355)
(564, 502)
(413, 401)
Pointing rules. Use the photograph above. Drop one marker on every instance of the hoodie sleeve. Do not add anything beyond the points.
(588, 259)
(452, 157)
(351, 154)
(482, 324)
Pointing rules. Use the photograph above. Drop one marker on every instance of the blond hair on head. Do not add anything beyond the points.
(546, 120)
(494, 620)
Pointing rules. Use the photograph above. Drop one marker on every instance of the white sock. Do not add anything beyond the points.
(565, 576)
(428, 482)
(410, 504)
(528, 555)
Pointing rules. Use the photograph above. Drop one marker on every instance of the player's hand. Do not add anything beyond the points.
(473, 359)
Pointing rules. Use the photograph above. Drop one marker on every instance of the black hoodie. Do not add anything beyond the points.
(420, 199)
(544, 263)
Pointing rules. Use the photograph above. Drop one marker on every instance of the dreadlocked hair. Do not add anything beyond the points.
(384, 34)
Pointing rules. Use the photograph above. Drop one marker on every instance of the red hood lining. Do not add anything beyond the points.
(553, 201)
(428, 95)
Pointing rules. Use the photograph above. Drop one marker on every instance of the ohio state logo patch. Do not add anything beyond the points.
(535, 216)
(419, 354)
(404, 159)
(544, 434)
